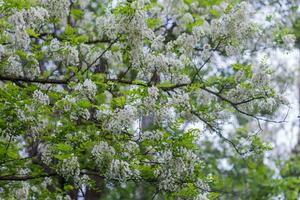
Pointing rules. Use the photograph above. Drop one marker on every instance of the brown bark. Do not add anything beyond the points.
(95, 194)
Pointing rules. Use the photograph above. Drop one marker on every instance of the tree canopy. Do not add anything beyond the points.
(139, 99)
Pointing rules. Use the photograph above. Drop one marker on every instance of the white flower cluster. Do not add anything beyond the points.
(185, 44)
(180, 99)
(202, 185)
(46, 153)
(153, 92)
(236, 27)
(158, 62)
(102, 152)
(105, 25)
(182, 79)
(103, 112)
(3, 50)
(14, 66)
(24, 19)
(32, 69)
(47, 181)
(165, 156)
(236, 23)
(289, 40)
(137, 29)
(155, 62)
(175, 168)
(23, 114)
(54, 45)
(88, 88)
(120, 170)
(186, 18)
(23, 192)
(83, 113)
(166, 115)
(269, 104)
(37, 130)
(70, 168)
(157, 43)
(200, 197)
(152, 135)
(167, 182)
(122, 119)
(57, 8)
(72, 55)
(41, 98)
(130, 149)
(67, 102)
(29, 18)
(84, 3)
(188, 155)
(232, 50)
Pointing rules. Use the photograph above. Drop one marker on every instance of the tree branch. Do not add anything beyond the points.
(25, 178)
(29, 80)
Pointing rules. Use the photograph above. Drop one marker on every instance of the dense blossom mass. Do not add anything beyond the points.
(102, 94)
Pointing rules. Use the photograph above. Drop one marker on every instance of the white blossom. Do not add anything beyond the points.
(289, 40)
(153, 92)
(103, 112)
(84, 3)
(102, 151)
(57, 8)
(29, 18)
(68, 101)
(41, 97)
(23, 192)
(21, 39)
(70, 167)
(200, 197)
(54, 45)
(84, 113)
(24, 19)
(2, 50)
(90, 87)
(14, 67)
(47, 181)
(119, 170)
(198, 32)
(72, 56)
(32, 68)
(187, 18)
(157, 43)
(231, 50)
(152, 135)
(122, 119)
(46, 153)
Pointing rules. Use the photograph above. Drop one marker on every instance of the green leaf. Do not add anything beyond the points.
(32, 33)
(68, 187)
(84, 103)
(124, 9)
(119, 101)
(61, 156)
(165, 85)
(63, 147)
(153, 22)
(77, 13)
